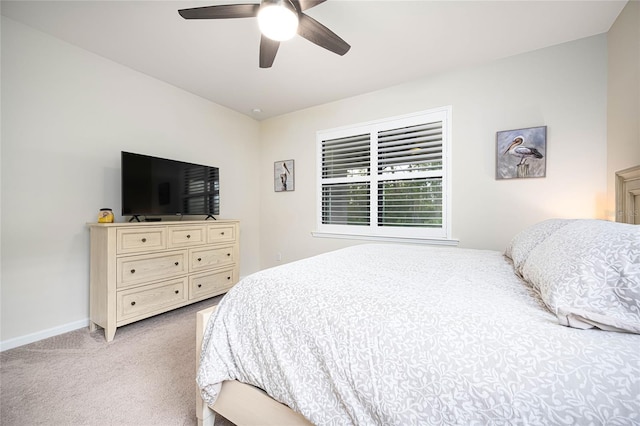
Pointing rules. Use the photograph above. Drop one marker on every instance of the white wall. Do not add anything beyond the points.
(623, 106)
(66, 115)
(562, 87)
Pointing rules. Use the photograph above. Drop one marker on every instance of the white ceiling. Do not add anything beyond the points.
(392, 42)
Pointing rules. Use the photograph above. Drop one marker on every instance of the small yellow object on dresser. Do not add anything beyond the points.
(105, 216)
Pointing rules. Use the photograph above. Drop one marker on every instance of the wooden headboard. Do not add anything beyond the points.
(628, 195)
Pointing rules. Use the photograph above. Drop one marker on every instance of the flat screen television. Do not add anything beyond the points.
(153, 186)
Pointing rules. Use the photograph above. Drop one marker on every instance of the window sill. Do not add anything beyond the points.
(408, 240)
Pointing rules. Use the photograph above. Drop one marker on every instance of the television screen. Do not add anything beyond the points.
(159, 186)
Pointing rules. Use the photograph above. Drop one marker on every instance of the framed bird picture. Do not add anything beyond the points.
(521, 153)
(283, 176)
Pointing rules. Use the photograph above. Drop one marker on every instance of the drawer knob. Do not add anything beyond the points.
(144, 240)
(177, 263)
(228, 278)
(228, 254)
(133, 271)
(188, 236)
(199, 259)
(177, 291)
(199, 285)
(133, 303)
(222, 233)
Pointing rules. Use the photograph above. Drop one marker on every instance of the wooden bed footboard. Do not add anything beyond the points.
(205, 415)
(238, 402)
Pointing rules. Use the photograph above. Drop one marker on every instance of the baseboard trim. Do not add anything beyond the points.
(44, 334)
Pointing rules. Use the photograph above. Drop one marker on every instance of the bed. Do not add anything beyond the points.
(545, 333)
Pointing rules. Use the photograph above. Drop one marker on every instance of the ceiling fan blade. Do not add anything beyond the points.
(302, 5)
(221, 12)
(317, 33)
(268, 50)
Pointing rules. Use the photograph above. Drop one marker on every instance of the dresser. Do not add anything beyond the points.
(143, 269)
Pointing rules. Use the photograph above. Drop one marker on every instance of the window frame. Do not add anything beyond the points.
(440, 235)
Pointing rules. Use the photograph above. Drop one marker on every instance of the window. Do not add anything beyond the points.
(387, 178)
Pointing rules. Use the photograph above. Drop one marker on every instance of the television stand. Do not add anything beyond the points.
(143, 269)
(210, 216)
(136, 217)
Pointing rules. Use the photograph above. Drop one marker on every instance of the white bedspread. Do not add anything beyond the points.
(411, 335)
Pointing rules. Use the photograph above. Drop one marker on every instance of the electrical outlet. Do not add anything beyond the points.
(278, 257)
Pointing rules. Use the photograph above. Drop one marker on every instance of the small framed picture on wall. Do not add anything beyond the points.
(283, 176)
(521, 153)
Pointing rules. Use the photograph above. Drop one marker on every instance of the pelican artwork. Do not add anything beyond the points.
(523, 152)
(284, 176)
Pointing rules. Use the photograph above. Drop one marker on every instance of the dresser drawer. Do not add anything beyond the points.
(133, 270)
(135, 240)
(207, 258)
(210, 283)
(151, 299)
(221, 234)
(187, 236)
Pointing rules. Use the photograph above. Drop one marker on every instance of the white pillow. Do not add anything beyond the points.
(524, 242)
(588, 274)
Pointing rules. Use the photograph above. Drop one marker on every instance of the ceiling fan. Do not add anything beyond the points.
(279, 20)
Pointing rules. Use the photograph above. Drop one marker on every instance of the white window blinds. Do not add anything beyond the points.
(386, 178)
(414, 151)
(346, 157)
(414, 148)
(346, 165)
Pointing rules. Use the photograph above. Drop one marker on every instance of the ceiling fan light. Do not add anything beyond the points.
(277, 22)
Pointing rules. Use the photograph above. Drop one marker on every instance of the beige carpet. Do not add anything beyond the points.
(145, 376)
